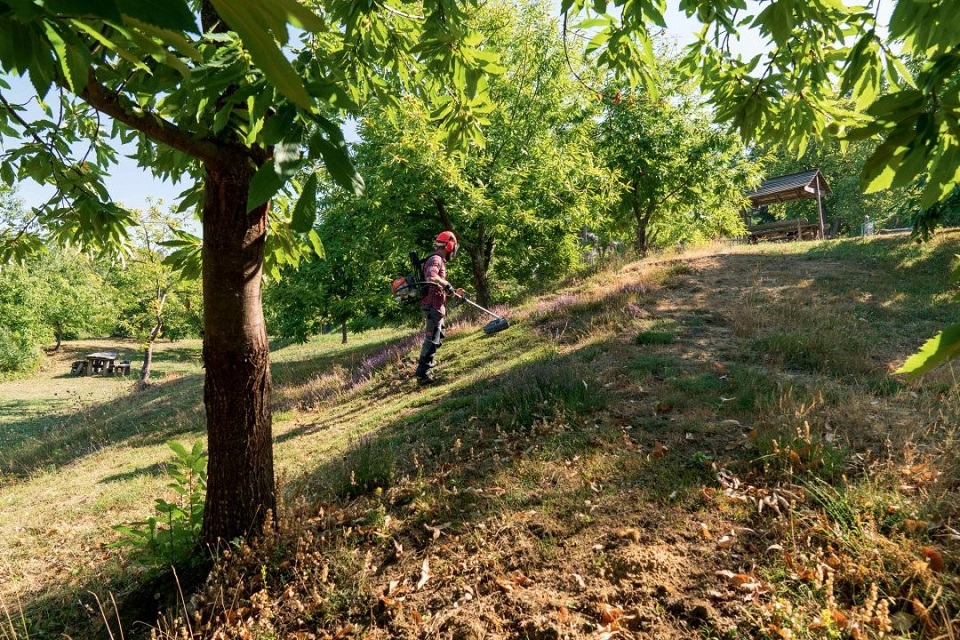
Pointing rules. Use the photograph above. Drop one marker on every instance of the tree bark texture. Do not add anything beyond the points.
(240, 480)
(148, 352)
(147, 363)
(642, 216)
(480, 256)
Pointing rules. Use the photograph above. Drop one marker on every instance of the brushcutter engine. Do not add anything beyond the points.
(406, 290)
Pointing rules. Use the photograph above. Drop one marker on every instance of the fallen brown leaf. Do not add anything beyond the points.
(923, 614)
(629, 533)
(913, 526)
(840, 619)
(522, 580)
(610, 613)
(424, 574)
(933, 556)
(659, 450)
(725, 542)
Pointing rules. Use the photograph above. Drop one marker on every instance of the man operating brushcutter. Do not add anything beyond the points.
(434, 302)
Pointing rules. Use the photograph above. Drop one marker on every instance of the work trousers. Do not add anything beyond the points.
(432, 339)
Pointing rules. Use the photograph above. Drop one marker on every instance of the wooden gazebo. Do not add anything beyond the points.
(805, 185)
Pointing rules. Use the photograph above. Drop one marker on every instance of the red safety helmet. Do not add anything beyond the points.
(448, 242)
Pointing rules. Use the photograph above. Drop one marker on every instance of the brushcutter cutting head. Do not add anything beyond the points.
(495, 326)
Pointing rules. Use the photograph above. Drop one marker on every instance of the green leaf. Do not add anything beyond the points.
(103, 9)
(278, 126)
(22, 49)
(264, 186)
(177, 448)
(945, 346)
(305, 211)
(176, 40)
(271, 177)
(73, 64)
(111, 45)
(336, 156)
(298, 15)
(166, 14)
(259, 41)
(315, 242)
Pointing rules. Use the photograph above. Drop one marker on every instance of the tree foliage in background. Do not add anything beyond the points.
(346, 288)
(59, 295)
(154, 300)
(55, 295)
(515, 203)
(682, 178)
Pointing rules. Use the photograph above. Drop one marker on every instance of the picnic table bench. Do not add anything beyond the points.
(783, 231)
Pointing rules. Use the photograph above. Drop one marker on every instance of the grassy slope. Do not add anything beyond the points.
(708, 445)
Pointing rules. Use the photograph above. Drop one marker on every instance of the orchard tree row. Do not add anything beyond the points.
(68, 295)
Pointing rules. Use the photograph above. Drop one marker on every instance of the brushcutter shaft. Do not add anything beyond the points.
(471, 302)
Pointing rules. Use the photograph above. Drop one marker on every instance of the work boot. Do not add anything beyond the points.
(425, 378)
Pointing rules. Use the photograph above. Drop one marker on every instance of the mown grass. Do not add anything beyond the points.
(744, 391)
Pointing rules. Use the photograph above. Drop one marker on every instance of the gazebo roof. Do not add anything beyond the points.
(795, 186)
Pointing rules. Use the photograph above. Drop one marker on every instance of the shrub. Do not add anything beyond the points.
(171, 537)
(17, 352)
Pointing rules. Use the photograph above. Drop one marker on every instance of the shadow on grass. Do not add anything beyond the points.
(151, 470)
(162, 411)
(356, 358)
(548, 408)
(166, 409)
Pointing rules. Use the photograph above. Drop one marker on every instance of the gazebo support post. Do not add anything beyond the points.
(819, 205)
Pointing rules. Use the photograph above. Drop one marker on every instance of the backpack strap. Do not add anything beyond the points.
(417, 265)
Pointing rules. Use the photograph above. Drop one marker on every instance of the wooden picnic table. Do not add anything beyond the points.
(101, 362)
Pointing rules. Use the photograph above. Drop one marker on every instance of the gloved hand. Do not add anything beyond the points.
(448, 288)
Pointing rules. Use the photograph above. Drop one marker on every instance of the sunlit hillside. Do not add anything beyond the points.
(702, 445)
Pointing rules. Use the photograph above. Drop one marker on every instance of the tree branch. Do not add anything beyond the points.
(151, 125)
(442, 213)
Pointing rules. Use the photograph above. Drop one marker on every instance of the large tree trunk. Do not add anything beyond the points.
(240, 481)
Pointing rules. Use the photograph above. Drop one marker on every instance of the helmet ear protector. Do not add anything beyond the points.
(448, 242)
